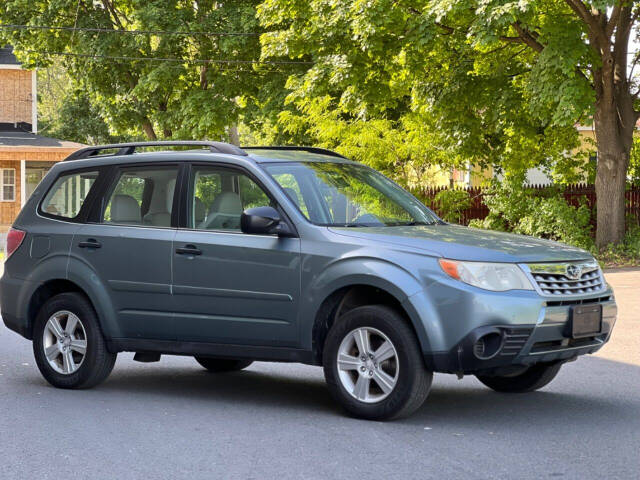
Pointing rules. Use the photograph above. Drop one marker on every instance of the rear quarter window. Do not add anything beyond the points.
(68, 193)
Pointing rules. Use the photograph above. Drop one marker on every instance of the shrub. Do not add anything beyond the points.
(515, 208)
(628, 251)
(452, 203)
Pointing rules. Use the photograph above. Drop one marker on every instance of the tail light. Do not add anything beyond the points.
(14, 240)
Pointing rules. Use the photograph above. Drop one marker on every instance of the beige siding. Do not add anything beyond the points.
(10, 158)
(15, 96)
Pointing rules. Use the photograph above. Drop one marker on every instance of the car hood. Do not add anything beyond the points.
(464, 243)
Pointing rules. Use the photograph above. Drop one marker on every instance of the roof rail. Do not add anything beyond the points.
(321, 151)
(130, 148)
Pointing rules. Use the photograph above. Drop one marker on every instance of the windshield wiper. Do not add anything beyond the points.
(409, 224)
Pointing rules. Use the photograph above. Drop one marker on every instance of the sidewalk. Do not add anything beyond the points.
(624, 345)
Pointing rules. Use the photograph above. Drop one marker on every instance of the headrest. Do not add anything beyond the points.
(199, 210)
(227, 203)
(125, 208)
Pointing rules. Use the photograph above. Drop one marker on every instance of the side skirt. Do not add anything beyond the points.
(250, 352)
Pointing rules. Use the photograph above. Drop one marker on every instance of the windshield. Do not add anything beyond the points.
(348, 195)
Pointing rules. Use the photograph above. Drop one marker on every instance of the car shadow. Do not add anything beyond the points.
(254, 388)
(467, 404)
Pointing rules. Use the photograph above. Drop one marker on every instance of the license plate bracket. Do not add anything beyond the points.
(586, 320)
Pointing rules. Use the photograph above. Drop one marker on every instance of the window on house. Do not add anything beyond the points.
(68, 193)
(8, 184)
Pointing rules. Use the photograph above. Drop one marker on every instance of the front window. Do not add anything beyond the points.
(348, 195)
(218, 196)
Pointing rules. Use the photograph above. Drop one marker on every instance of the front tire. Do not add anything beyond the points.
(373, 364)
(221, 365)
(68, 345)
(534, 378)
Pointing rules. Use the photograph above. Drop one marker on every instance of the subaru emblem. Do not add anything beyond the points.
(574, 271)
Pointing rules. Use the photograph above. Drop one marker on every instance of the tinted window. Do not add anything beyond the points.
(219, 196)
(347, 194)
(292, 188)
(68, 193)
(142, 196)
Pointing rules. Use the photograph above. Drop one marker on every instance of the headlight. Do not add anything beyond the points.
(498, 277)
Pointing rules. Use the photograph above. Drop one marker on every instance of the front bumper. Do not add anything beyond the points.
(549, 340)
(449, 316)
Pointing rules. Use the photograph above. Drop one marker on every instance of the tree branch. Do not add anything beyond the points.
(446, 28)
(528, 37)
(511, 39)
(623, 31)
(597, 34)
(613, 19)
(583, 12)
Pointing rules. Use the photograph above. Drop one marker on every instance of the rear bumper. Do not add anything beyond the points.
(13, 304)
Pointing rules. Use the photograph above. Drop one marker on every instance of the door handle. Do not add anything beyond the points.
(90, 243)
(189, 250)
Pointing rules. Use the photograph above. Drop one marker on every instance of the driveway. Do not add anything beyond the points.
(173, 420)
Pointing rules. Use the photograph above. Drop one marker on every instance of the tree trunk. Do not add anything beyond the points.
(147, 127)
(614, 126)
(233, 134)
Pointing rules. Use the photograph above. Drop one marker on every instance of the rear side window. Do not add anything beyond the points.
(142, 196)
(67, 195)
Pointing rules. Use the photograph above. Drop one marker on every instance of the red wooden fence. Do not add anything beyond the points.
(572, 193)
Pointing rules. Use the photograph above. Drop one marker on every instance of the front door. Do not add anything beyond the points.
(230, 287)
(129, 249)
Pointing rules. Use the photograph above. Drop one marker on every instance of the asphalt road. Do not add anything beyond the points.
(172, 420)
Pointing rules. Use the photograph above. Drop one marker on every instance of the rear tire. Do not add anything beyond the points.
(220, 365)
(373, 364)
(534, 378)
(68, 345)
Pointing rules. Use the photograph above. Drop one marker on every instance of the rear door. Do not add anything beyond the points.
(128, 245)
(230, 287)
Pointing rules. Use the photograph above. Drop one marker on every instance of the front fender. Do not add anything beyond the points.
(368, 271)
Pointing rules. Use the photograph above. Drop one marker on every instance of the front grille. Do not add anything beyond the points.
(514, 340)
(567, 278)
(580, 301)
(566, 343)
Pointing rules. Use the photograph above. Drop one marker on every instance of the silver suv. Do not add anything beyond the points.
(288, 254)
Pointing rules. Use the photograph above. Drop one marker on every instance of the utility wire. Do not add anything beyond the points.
(173, 59)
(131, 32)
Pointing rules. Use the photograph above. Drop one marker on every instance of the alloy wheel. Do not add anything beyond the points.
(368, 364)
(64, 342)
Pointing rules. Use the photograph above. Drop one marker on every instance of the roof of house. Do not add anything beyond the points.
(26, 140)
(7, 57)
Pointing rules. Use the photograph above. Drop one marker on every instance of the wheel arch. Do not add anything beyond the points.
(47, 290)
(80, 279)
(349, 297)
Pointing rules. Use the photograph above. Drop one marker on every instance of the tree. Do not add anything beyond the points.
(65, 110)
(502, 83)
(152, 68)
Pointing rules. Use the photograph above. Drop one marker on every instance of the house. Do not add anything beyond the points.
(25, 156)
(477, 177)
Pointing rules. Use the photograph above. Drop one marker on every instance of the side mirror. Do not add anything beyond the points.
(263, 220)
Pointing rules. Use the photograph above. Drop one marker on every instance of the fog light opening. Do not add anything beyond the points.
(488, 346)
